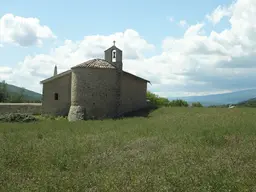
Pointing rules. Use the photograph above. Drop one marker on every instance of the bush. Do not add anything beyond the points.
(178, 103)
(197, 104)
(157, 100)
(17, 117)
(161, 101)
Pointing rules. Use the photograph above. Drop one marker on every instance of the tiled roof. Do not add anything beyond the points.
(56, 76)
(137, 77)
(95, 63)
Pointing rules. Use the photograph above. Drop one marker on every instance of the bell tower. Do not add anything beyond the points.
(114, 56)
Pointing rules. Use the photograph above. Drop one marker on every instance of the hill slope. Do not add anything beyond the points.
(247, 103)
(28, 95)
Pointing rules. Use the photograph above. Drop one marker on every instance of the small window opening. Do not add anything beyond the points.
(56, 96)
(114, 56)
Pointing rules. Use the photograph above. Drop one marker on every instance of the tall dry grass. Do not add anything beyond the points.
(174, 149)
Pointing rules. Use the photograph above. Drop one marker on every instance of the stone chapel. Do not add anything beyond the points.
(95, 89)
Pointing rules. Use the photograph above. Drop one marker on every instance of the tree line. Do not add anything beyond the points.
(162, 101)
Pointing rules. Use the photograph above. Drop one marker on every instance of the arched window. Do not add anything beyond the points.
(114, 56)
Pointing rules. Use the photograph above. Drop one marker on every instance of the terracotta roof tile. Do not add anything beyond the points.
(95, 63)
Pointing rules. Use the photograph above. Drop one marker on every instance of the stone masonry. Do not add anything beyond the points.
(61, 86)
(29, 108)
(133, 93)
(93, 93)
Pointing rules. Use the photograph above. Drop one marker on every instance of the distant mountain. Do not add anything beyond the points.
(247, 103)
(221, 99)
(28, 95)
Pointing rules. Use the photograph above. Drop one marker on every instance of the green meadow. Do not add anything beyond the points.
(173, 149)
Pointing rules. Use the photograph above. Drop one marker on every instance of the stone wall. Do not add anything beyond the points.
(119, 75)
(133, 93)
(29, 108)
(62, 87)
(94, 90)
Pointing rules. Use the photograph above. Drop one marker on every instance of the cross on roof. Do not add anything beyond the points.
(114, 42)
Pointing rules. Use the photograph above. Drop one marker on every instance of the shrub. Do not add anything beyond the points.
(197, 104)
(17, 117)
(161, 101)
(157, 100)
(178, 103)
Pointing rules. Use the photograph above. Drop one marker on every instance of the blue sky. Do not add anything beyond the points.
(74, 20)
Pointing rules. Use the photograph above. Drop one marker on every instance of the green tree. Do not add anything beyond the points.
(3, 92)
(178, 103)
(197, 104)
(157, 100)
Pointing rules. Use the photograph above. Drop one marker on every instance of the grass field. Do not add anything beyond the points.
(174, 149)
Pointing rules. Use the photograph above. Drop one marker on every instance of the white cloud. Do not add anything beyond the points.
(219, 13)
(23, 31)
(171, 19)
(193, 64)
(5, 72)
(183, 23)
